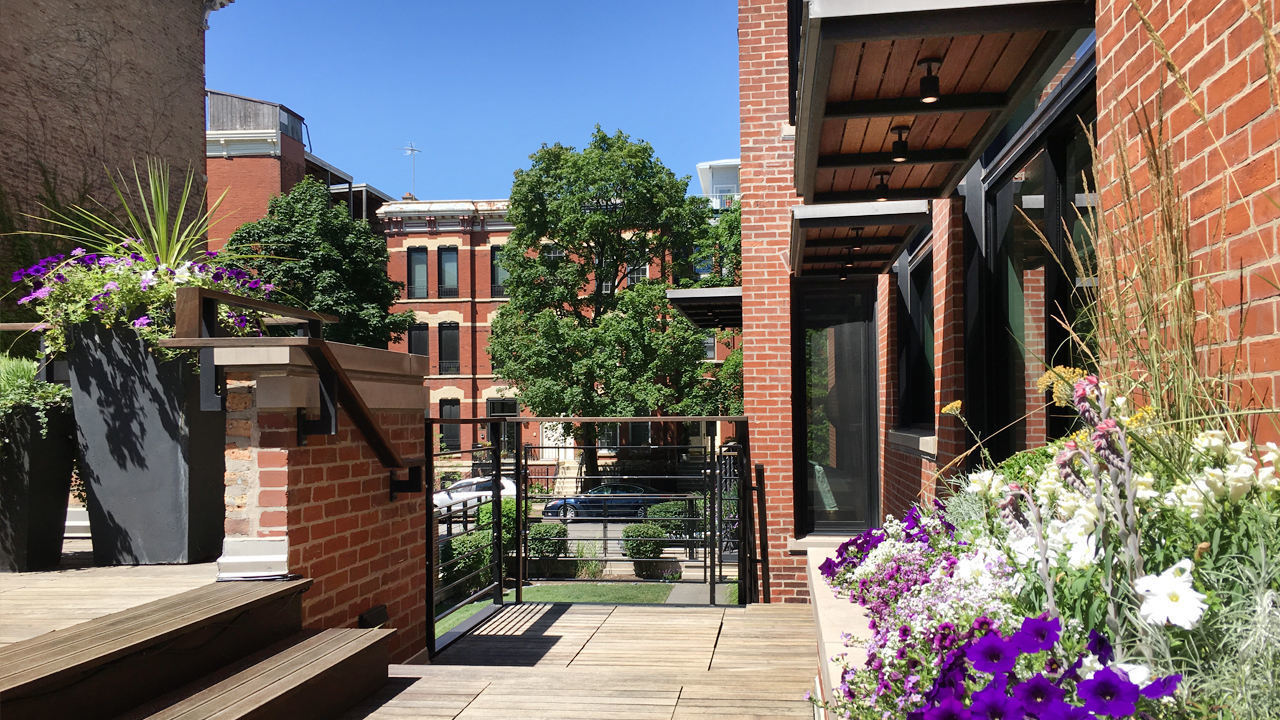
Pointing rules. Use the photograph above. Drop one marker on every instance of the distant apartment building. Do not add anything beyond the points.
(256, 150)
(719, 182)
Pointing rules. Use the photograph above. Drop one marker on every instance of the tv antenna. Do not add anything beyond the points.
(412, 151)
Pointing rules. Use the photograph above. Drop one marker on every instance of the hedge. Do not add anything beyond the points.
(643, 540)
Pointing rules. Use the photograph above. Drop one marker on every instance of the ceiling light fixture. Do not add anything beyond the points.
(900, 145)
(857, 238)
(882, 188)
(930, 89)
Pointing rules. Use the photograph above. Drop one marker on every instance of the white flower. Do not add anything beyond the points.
(1210, 442)
(1088, 666)
(1024, 549)
(1214, 481)
(979, 482)
(1144, 487)
(1239, 481)
(1188, 497)
(1138, 673)
(1267, 480)
(1272, 455)
(1170, 598)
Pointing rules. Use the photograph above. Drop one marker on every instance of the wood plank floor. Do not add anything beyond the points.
(35, 603)
(568, 661)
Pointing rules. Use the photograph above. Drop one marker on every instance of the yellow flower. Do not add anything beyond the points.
(952, 408)
(1062, 380)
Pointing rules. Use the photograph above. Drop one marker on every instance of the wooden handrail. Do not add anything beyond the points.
(22, 327)
(189, 333)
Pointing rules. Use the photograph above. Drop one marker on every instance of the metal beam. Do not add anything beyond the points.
(819, 56)
(862, 221)
(885, 159)
(892, 107)
(853, 242)
(945, 22)
(927, 193)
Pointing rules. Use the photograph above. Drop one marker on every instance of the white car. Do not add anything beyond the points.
(475, 490)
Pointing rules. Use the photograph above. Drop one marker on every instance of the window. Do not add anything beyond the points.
(417, 285)
(449, 364)
(497, 274)
(637, 274)
(418, 339)
(709, 347)
(638, 433)
(552, 252)
(451, 435)
(915, 342)
(504, 407)
(448, 272)
(607, 435)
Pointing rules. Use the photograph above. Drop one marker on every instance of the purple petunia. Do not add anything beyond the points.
(989, 705)
(1161, 687)
(142, 322)
(1038, 694)
(1108, 693)
(1037, 634)
(828, 568)
(949, 709)
(992, 654)
(1100, 647)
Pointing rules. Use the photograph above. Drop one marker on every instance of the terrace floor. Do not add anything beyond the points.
(34, 603)
(554, 660)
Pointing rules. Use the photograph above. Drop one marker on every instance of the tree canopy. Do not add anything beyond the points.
(573, 346)
(320, 258)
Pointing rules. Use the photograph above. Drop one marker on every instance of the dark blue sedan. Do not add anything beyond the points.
(620, 499)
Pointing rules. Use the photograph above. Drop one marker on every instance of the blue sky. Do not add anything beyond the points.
(478, 86)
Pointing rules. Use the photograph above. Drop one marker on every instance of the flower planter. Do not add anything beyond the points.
(35, 479)
(151, 460)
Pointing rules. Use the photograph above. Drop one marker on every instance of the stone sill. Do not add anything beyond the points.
(385, 379)
(916, 442)
(833, 616)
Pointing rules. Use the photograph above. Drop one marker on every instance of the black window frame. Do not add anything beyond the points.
(447, 365)
(497, 285)
(450, 434)
(419, 333)
(915, 323)
(443, 290)
(413, 291)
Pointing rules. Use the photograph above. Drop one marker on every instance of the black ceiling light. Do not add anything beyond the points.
(848, 263)
(857, 238)
(900, 145)
(930, 89)
(882, 188)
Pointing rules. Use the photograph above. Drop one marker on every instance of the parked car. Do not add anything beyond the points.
(621, 500)
(476, 490)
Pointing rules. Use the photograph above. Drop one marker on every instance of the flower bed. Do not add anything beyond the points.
(1125, 572)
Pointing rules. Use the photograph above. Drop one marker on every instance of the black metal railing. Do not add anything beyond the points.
(450, 367)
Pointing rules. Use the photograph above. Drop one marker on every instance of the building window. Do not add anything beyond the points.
(552, 252)
(709, 347)
(638, 433)
(637, 274)
(449, 355)
(607, 435)
(451, 435)
(417, 285)
(504, 407)
(448, 272)
(497, 274)
(915, 343)
(418, 342)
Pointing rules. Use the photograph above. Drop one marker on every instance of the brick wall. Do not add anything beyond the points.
(1227, 167)
(246, 185)
(766, 177)
(330, 500)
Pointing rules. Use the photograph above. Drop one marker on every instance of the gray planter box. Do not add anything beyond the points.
(35, 479)
(151, 461)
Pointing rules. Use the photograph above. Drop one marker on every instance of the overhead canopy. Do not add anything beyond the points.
(856, 75)
(709, 308)
(853, 238)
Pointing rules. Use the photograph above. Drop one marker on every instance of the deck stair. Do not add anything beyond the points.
(226, 650)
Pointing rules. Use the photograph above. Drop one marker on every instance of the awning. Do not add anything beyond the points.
(896, 100)
(853, 238)
(709, 308)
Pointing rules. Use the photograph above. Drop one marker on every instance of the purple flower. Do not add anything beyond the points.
(828, 568)
(1161, 687)
(949, 709)
(17, 276)
(1100, 647)
(992, 704)
(992, 654)
(142, 322)
(110, 286)
(211, 253)
(1037, 634)
(1108, 693)
(1063, 711)
(1037, 694)
(77, 252)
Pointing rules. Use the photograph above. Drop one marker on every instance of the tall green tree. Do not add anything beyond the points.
(571, 345)
(320, 258)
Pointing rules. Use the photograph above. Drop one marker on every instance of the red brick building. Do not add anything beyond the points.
(899, 167)
(254, 151)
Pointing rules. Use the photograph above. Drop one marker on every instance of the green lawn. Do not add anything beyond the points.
(617, 593)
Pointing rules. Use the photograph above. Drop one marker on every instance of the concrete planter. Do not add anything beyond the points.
(35, 479)
(151, 461)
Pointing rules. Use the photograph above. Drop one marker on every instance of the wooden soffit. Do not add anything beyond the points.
(856, 75)
(850, 239)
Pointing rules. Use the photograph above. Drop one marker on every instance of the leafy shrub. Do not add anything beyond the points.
(643, 540)
(549, 540)
(476, 551)
(665, 515)
(484, 518)
(20, 388)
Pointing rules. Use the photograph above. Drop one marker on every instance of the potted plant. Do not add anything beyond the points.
(37, 454)
(151, 460)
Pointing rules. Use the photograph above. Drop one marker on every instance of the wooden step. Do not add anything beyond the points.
(107, 665)
(319, 676)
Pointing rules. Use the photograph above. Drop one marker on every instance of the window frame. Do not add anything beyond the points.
(411, 290)
(423, 333)
(450, 430)
(443, 290)
(455, 364)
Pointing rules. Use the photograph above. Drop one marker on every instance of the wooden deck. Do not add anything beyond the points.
(615, 662)
(35, 603)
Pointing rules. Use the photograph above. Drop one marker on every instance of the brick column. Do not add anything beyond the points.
(768, 153)
(948, 327)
